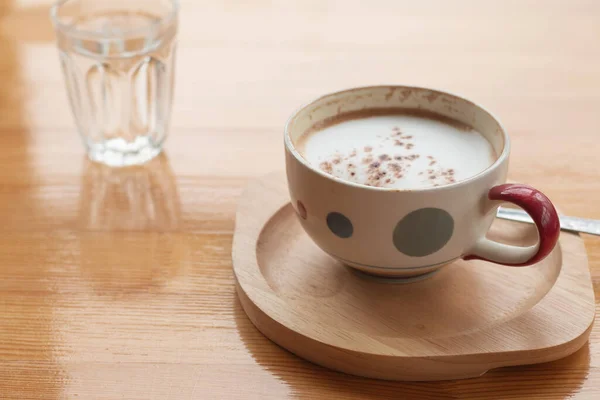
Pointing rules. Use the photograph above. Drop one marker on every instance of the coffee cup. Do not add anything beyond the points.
(398, 181)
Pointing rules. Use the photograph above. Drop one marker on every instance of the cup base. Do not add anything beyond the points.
(410, 274)
(119, 153)
(393, 279)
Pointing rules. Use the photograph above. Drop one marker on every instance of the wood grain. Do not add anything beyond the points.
(144, 307)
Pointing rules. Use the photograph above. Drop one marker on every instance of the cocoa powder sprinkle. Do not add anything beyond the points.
(326, 166)
(383, 169)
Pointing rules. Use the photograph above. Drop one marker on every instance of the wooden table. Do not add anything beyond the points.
(118, 283)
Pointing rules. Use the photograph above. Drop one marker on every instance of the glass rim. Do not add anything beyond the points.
(72, 30)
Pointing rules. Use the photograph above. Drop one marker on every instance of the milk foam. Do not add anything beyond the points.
(400, 151)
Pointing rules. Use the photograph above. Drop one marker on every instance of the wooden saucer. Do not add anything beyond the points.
(463, 321)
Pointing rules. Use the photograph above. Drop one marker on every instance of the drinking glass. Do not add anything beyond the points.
(118, 59)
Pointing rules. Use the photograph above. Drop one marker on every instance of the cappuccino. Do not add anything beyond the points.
(411, 150)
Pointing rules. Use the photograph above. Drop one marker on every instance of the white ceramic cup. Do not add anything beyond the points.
(406, 233)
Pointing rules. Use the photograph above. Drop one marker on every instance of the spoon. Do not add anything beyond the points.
(571, 224)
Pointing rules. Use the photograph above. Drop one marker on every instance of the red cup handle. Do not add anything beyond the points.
(543, 213)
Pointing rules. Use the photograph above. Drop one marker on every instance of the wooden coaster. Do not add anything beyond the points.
(468, 318)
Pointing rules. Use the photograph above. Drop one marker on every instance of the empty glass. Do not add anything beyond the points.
(118, 59)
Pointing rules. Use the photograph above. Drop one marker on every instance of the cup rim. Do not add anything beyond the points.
(92, 35)
(292, 148)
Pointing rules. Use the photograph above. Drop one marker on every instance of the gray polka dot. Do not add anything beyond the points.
(423, 232)
(340, 225)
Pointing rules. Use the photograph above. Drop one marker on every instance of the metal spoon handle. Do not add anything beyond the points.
(573, 224)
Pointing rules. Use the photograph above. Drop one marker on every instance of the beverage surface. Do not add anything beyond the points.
(401, 151)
